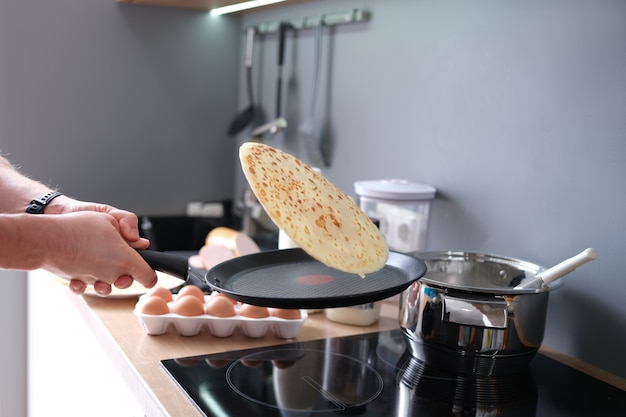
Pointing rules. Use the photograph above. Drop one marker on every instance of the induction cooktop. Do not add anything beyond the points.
(374, 375)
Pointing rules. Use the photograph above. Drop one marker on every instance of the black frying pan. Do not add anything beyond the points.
(290, 278)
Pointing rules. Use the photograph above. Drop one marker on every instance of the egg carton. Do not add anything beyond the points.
(221, 326)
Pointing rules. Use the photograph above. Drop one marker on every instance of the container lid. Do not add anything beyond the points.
(394, 189)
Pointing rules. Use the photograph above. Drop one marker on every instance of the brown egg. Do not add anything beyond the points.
(255, 312)
(219, 294)
(217, 363)
(153, 305)
(192, 290)
(287, 314)
(187, 362)
(251, 363)
(188, 305)
(164, 293)
(283, 364)
(219, 307)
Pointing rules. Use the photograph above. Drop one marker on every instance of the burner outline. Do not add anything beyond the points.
(340, 405)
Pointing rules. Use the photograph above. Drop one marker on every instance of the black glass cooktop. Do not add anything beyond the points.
(373, 375)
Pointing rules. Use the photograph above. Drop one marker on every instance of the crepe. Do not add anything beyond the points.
(315, 213)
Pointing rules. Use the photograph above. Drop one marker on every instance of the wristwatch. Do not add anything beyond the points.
(38, 205)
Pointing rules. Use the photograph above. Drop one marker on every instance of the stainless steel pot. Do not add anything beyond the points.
(469, 313)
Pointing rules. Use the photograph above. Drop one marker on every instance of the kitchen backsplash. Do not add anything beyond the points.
(514, 111)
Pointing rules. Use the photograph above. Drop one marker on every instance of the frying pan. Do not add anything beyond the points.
(290, 278)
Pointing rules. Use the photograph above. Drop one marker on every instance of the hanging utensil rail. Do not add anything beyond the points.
(332, 19)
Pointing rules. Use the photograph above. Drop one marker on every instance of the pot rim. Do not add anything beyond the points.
(529, 269)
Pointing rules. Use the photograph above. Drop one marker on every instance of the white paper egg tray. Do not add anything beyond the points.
(221, 326)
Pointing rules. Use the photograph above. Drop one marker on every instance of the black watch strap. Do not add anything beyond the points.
(38, 205)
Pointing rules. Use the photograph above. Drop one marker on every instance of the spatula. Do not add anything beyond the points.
(307, 132)
(544, 278)
(244, 118)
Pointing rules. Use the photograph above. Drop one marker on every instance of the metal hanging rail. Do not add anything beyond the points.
(352, 16)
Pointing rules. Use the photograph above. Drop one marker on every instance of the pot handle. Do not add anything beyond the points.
(489, 313)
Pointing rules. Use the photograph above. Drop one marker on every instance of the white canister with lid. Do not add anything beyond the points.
(402, 207)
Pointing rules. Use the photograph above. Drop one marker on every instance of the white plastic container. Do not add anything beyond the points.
(284, 241)
(359, 315)
(403, 209)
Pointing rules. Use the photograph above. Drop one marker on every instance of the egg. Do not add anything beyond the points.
(187, 362)
(188, 305)
(283, 364)
(219, 294)
(255, 312)
(153, 305)
(219, 307)
(249, 363)
(217, 363)
(164, 293)
(192, 290)
(287, 314)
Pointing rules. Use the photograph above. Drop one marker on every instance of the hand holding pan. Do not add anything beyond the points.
(290, 278)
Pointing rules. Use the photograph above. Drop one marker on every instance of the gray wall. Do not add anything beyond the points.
(516, 112)
(117, 103)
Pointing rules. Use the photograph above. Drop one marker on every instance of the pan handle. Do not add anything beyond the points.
(166, 262)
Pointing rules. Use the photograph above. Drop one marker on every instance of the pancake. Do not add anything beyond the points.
(315, 213)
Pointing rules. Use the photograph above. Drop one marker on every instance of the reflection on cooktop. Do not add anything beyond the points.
(373, 375)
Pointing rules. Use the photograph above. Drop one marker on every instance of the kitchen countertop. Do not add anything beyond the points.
(137, 355)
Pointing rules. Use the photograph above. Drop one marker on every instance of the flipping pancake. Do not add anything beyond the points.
(324, 221)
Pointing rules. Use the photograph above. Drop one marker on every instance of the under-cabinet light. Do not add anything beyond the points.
(242, 6)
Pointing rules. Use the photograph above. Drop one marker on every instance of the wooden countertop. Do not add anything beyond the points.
(136, 354)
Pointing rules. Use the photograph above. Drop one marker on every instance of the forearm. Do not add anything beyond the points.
(87, 243)
(17, 190)
(26, 241)
(85, 246)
